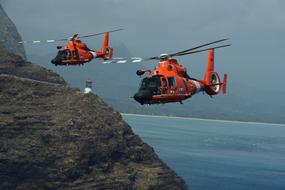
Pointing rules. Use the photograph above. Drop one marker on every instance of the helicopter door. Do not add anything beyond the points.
(75, 54)
(172, 84)
(164, 85)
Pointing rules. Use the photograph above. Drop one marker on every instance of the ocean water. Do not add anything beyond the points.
(217, 155)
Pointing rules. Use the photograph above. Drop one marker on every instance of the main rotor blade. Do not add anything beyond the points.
(180, 54)
(197, 47)
(120, 60)
(150, 58)
(40, 41)
(197, 51)
(97, 34)
(66, 39)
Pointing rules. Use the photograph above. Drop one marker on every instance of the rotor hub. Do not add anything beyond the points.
(164, 57)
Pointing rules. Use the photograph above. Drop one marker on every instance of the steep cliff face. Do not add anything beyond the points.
(9, 36)
(55, 137)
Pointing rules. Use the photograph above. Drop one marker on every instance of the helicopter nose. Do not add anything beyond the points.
(55, 61)
(143, 96)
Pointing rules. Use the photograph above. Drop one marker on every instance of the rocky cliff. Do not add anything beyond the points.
(9, 36)
(54, 137)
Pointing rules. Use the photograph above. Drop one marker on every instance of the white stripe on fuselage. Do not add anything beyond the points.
(93, 54)
(198, 86)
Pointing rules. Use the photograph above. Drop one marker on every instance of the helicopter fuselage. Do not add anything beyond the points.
(169, 82)
(77, 53)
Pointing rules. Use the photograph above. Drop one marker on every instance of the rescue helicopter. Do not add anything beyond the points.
(169, 82)
(76, 51)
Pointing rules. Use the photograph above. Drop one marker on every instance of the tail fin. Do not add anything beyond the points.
(105, 42)
(212, 80)
(106, 51)
(210, 66)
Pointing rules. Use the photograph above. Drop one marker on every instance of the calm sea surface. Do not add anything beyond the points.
(217, 154)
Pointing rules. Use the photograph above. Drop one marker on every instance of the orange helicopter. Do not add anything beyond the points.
(76, 52)
(169, 82)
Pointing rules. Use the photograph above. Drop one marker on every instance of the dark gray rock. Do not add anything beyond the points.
(12, 64)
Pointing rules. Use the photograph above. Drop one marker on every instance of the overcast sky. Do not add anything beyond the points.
(256, 29)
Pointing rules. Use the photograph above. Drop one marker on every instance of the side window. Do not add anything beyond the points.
(63, 54)
(68, 54)
(163, 82)
(75, 54)
(164, 87)
(144, 83)
(171, 81)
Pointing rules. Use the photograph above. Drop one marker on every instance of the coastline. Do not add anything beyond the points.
(200, 119)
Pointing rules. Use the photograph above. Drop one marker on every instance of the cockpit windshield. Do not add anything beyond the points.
(62, 54)
(153, 82)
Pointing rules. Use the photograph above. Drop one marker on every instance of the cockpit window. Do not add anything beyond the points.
(62, 54)
(171, 81)
(153, 82)
(164, 82)
(75, 54)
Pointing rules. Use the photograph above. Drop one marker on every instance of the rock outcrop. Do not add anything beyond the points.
(55, 137)
(9, 36)
(12, 64)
